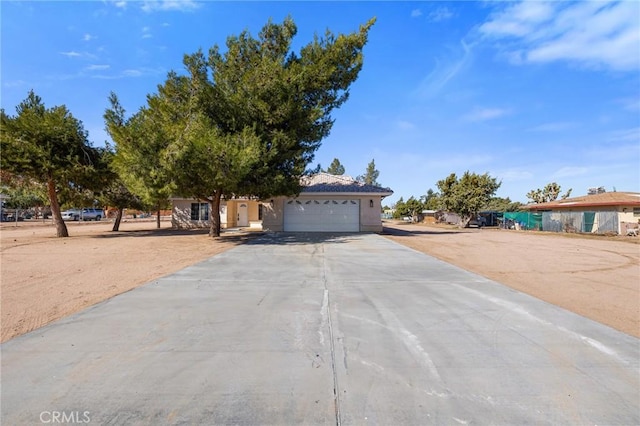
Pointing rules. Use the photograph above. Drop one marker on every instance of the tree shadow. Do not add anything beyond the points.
(415, 232)
(302, 238)
(226, 236)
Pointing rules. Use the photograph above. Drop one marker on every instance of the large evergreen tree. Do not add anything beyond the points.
(50, 146)
(140, 144)
(248, 122)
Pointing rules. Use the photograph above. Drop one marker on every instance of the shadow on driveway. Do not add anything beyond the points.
(415, 232)
(302, 238)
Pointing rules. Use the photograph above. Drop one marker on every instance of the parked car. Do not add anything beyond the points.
(92, 214)
(83, 214)
(71, 214)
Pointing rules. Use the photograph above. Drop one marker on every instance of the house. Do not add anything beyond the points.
(327, 203)
(596, 212)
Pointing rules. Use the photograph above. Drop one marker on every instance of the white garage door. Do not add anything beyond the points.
(322, 215)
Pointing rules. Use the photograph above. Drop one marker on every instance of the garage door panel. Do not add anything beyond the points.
(322, 215)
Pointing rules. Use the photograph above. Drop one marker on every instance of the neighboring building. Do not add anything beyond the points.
(598, 212)
(327, 203)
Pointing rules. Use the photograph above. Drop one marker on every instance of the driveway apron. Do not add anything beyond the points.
(322, 329)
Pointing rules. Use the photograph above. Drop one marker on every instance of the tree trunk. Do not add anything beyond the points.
(214, 215)
(116, 223)
(158, 217)
(464, 221)
(61, 227)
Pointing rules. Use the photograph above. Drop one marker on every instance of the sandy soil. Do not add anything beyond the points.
(45, 278)
(597, 277)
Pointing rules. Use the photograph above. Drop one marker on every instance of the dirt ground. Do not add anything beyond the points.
(44, 278)
(595, 276)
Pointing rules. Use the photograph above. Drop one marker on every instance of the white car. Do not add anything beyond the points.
(71, 214)
(83, 214)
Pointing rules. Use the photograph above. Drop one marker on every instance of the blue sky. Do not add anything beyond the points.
(531, 92)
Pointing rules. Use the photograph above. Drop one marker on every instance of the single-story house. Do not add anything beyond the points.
(619, 211)
(327, 203)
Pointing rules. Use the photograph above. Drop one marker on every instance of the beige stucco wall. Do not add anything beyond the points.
(181, 213)
(370, 220)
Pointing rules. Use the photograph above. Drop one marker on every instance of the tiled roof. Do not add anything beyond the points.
(596, 200)
(325, 182)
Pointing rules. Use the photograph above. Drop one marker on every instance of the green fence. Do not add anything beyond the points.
(522, 220)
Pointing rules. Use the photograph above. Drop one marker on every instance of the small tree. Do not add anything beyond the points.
(431, 201)
(550, 192)
(49, 146)
(398, 208)
(335, 168)
(414, 207)
(503, 205)
(370, 176)
(467, 195)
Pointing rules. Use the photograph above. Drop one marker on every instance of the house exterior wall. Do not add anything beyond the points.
(626, 217)
(181, 214)
(273, 214)
(370, 219)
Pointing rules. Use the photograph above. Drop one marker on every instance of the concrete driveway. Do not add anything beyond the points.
(320, 329)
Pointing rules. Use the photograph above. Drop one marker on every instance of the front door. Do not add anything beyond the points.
(243, 215)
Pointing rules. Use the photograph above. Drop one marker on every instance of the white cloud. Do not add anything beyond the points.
(511, 175)
(590, 34)
(146, 32)
(443, 73)
(132, 73)
(71, 54)
(415, 13)
(440, 14)
(630, 104)
(83, 55)
(168, 5)
(14, 83)
(554, 126)
(485, 114)
(405, 125)
(88, 37)
(569, 171)
(97, 67)
(625, 135)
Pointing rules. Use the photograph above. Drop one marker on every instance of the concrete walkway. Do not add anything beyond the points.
(293, 329)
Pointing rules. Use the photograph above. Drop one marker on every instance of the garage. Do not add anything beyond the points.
(322, 215)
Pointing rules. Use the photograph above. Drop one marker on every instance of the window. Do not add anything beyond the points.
(259, 211)
(636, 212)
(199, 211)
